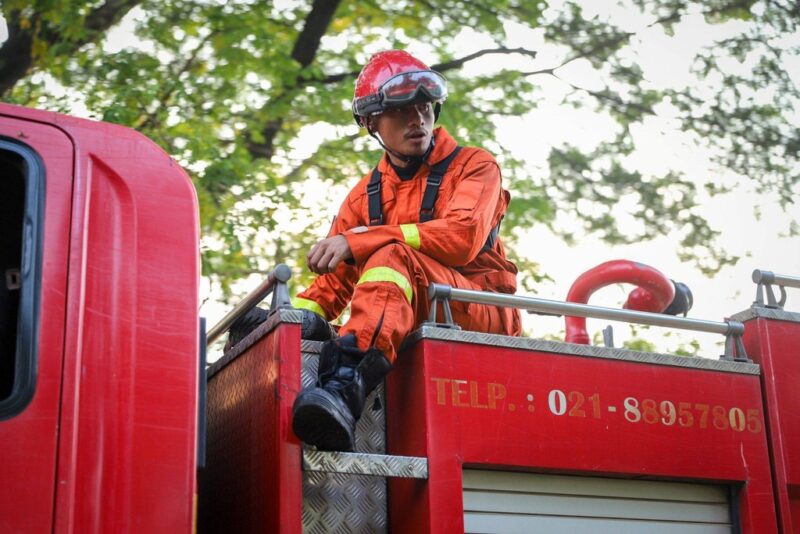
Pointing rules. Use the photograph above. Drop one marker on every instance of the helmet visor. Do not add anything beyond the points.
(401, 89)
(407, 87)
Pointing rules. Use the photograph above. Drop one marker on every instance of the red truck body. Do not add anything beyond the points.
(107, 442)
(772, 338)
(99, 429)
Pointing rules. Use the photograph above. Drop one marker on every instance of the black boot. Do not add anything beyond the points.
(325, 415)
(313, 327)
(244, 325)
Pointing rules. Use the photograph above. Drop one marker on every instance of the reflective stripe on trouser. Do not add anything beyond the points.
(387, 274)
(384, 310)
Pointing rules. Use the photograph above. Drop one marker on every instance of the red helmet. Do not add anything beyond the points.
(395, 78)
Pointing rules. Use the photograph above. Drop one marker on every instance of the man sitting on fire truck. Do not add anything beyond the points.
(428, 213)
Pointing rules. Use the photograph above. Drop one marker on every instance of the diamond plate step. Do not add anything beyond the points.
(354, 463)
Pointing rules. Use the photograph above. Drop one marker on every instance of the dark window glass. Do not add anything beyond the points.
(12, 209)
(21, 223)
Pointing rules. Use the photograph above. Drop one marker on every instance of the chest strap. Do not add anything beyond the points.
(432, 186)
(433, 182)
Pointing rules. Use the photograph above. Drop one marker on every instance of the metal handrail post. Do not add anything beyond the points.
(765, 280)
(275, 281)
(768, 277)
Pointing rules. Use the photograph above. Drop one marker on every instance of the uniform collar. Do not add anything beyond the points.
(444, 145)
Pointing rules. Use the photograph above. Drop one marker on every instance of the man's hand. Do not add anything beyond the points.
(326, 255)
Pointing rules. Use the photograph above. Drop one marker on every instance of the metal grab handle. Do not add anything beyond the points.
(443, 298)
(765, 281)
(733, 330)
(275, 283)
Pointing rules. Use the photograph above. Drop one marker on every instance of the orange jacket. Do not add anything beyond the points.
(470, 203)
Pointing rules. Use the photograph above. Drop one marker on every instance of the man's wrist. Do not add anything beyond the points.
(352, 241)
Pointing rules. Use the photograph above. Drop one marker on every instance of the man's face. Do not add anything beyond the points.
(406, 130)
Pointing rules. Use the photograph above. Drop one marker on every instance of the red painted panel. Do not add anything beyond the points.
(28, 441)
(406, 423)
(128, 446)
(515, 409)
(126, 449)
(253, 480)
(775, 345)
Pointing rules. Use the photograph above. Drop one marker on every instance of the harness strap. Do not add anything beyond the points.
(433, 182)
(491, 239)
(432, 186)
(374, 198)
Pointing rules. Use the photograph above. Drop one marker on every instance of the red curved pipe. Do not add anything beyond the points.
(654, 294)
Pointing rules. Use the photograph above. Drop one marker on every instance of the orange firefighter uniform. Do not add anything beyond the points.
(394, 263)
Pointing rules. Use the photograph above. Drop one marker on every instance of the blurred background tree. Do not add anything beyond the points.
(253, 99)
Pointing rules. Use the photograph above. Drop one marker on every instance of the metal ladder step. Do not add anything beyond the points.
(355, 463)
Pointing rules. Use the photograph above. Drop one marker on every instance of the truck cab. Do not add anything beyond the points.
(98, 322)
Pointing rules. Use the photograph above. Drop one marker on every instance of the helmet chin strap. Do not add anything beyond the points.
(408, 160)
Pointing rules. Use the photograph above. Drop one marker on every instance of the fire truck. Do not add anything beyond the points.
(111, 421)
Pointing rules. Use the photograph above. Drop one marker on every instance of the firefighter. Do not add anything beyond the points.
(429, 212)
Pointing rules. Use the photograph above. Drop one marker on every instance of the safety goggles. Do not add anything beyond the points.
(402, 89)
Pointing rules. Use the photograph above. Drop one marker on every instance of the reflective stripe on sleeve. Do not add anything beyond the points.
(410, 235)
(387, 274)
(307, 304)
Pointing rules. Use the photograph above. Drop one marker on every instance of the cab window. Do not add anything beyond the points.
(21, 223)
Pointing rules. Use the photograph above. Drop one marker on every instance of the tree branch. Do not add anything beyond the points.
(317, 22)
(447, 12)
(625, 36)
(103, 17)
(296, 173)
(458, 63)
(148, 120)
(16, 54)
(441, 67)
(607, 95)
(304, 50)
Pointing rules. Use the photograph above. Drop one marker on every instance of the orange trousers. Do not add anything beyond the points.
(390, 300)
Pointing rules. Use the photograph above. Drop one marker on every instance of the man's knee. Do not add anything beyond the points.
(396, 263)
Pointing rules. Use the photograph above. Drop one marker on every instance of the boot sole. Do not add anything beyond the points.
(319, 421)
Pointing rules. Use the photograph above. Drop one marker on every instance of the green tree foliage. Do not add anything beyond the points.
(235, 90)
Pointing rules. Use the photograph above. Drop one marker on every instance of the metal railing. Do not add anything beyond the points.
(765, 280)
(275, 283)
(442, 294)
